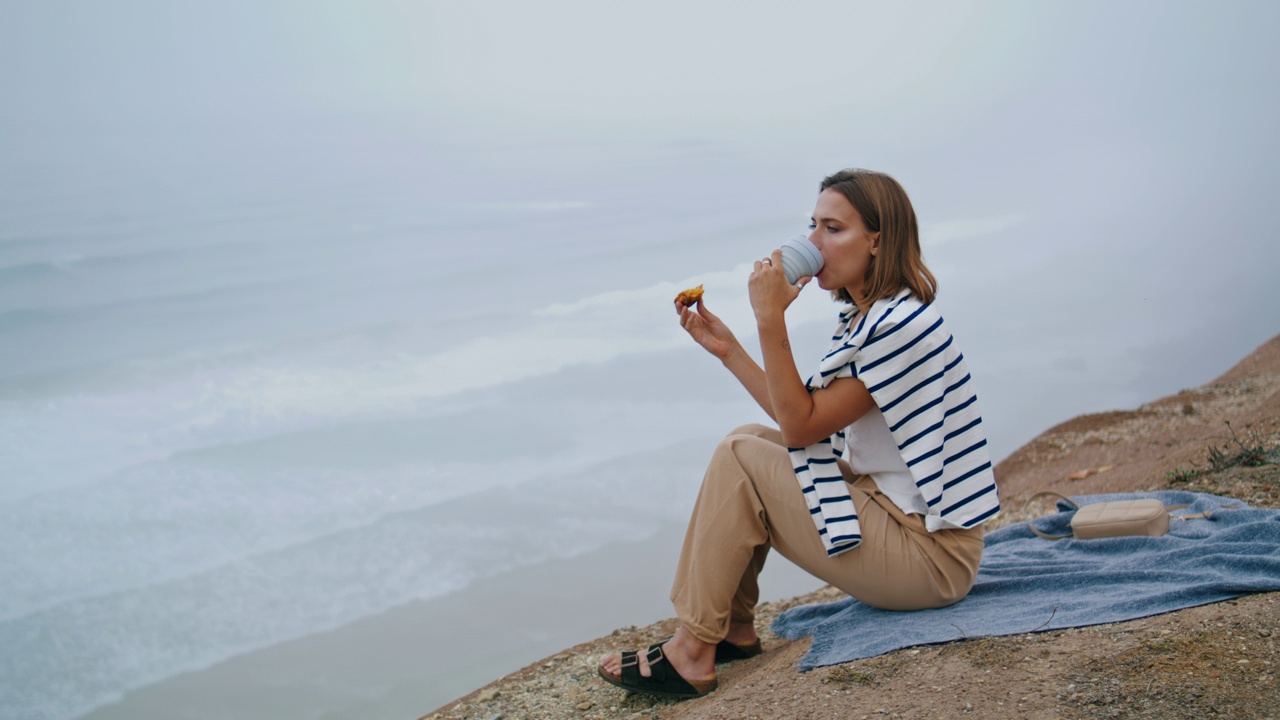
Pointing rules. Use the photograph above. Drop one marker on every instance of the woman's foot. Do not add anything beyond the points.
(739, 643)
(692, 659)
(742, 634)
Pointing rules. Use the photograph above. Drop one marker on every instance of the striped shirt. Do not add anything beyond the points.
(902, 351)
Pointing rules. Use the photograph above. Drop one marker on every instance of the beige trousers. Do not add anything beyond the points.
(750, 502)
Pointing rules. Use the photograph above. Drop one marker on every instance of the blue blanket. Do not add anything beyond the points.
(1027, 584)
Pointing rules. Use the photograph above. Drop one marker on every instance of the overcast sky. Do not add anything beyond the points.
(904, 72)
(1149, 126)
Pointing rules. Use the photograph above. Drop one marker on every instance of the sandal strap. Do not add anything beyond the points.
(728, 652)
(663, 674)
(655, 655)
(663, 677)
(631, 669)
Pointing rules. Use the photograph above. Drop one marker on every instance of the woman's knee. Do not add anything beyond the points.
(733, 461)
(757, 430)
(748, 458)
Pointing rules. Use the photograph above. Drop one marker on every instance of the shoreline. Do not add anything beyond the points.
(390, 665)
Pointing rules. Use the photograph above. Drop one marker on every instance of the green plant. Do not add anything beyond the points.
(1182, 475)
(1252, 454)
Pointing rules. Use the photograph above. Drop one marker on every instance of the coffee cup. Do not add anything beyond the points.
(800, 258)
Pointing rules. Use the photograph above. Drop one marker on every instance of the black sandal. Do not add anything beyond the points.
(664, 680)
(728, 652)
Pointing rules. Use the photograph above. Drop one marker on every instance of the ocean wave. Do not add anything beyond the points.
(70, 658)
(170, 519)
(194, 399)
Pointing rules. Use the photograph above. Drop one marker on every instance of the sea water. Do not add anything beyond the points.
(232, 419)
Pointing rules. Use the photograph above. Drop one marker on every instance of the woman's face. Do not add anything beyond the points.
(846, 245)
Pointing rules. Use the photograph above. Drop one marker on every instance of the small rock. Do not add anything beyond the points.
(968, 707)
(1242, 662)
(1264, 633)
(585, 705)
(487, 694)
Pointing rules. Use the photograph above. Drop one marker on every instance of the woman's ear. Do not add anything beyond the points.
(875, 243)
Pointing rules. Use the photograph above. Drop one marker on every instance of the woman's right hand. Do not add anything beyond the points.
(707, 330)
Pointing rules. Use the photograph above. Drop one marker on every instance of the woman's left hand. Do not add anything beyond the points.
(769, 291)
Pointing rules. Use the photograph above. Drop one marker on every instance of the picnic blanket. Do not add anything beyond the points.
(1028, 584)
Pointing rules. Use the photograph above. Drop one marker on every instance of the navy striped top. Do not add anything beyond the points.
(901, 350)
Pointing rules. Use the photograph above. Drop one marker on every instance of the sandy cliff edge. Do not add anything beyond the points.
(1219, 659)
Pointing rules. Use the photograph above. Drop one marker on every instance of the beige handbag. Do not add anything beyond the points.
(1117, 518)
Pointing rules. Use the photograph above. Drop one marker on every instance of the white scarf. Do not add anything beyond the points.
(903, 353)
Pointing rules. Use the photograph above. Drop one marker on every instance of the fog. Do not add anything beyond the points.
(318, 286)
(1121, 155)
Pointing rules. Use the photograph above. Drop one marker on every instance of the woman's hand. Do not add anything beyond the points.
(707, 330)
(770, 293)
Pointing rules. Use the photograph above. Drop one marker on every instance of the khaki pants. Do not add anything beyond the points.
(750, 502)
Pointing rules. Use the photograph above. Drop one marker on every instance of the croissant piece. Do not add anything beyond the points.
(690, 296)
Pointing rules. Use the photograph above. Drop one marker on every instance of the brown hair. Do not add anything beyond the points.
(885, 208)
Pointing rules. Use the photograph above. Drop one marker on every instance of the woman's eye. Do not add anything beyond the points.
(813, 225)
(832, 229)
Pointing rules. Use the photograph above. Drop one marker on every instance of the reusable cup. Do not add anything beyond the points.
(800, 258)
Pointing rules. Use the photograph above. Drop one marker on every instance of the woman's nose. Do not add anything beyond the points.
(813, 238)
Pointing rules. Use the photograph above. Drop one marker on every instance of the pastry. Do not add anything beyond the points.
(690, 296)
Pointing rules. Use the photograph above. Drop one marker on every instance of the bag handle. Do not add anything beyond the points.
(1049, 493)
(1076, 506)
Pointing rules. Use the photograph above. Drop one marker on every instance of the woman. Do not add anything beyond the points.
(896, 525)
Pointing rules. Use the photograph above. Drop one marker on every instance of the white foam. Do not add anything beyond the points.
(57, 441)
(77, 655)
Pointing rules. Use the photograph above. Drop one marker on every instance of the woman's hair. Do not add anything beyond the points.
(885, 208)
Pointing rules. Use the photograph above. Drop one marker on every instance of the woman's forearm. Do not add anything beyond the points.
(751, 375)
(788, 398)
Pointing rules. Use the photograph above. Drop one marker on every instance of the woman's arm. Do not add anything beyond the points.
(714, 336)
(803, 417)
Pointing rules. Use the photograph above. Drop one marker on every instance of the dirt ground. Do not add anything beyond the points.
(1217, 660)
